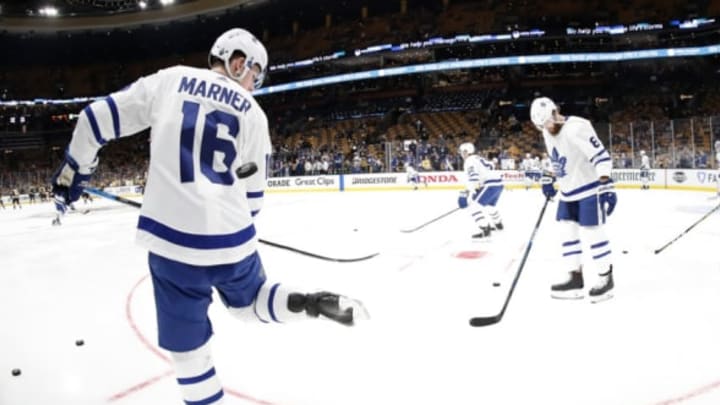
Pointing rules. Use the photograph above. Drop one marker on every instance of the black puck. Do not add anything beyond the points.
(625, 252)
(16, 372)
(79, 342)
(246, 170)
(496, 284)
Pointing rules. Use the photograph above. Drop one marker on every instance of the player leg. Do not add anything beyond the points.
(644, 178)
(250, 297)
(182, 296)
(571, 287)
(60, 209)
(528, 180)
(479, 217)
(593, 235)
(489, 199)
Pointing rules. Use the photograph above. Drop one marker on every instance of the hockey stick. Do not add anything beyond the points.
(687, 230)
(104, 194)
(429, 222)
(490, 320)
(136, 204)
(317, 256)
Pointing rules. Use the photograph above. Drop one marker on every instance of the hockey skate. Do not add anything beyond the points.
(338, 308)
(56, 222)
(498, 226)
(484, 233)
(570, 289)
(603, 290)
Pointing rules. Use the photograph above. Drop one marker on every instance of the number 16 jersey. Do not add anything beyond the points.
(203, 127)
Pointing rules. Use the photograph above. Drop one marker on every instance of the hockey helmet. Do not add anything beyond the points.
(541, 111)
(466, 149)
(238, 39)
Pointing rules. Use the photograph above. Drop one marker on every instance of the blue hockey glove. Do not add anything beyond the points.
(548, 186)
(607, 197)
(70, 179)
(463, 199)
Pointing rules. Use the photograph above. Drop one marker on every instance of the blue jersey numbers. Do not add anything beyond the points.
(209, 145)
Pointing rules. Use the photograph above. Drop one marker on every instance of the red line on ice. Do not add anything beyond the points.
(150, 381)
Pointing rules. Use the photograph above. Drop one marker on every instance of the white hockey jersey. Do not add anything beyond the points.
(644, 162)
(479, 173)
(578, 157)
(204, 126)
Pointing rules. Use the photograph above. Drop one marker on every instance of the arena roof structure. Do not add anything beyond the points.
(82, 15)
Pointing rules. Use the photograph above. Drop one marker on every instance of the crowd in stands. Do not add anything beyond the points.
(670, 108)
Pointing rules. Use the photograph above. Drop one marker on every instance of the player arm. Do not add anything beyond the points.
(474, 177)
(593, 149)
(257, 149)
(122, 113)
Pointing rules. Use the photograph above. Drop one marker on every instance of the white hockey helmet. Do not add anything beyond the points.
(466, 149)
(541, 110)
(238, 39)
(642, 152)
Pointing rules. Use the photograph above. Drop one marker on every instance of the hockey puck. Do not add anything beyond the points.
(79, 342)
(496, 284)
(16, 372)
(246, 170)
(625, 252)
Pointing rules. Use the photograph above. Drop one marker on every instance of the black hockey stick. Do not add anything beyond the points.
(490, 320)
(136, 204)
(687, 230)
(317, 256)
(429, 222)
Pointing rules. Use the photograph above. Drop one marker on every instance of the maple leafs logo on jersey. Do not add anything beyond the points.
(558, 163)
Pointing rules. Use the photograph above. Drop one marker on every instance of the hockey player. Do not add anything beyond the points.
(530, 175)
(412, 176)
(483, 187)
(644, 170)
(15, 199)
(197, 216)
(582, 170)
(2, 203)
(546, 164)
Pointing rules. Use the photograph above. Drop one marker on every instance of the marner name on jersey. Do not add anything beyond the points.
(216, 92)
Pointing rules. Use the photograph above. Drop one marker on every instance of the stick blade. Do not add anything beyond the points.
(479, 321)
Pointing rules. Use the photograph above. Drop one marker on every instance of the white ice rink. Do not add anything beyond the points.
(657, 342)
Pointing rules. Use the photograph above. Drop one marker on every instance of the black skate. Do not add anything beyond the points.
(484, 233)
(603, 290)
(56, 222)
(571, 289)
(332, 306)
(499, 226)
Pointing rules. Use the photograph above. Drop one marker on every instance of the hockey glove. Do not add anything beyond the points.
(548, 186)
(70, 179)
(607, 197)
(463, 199)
